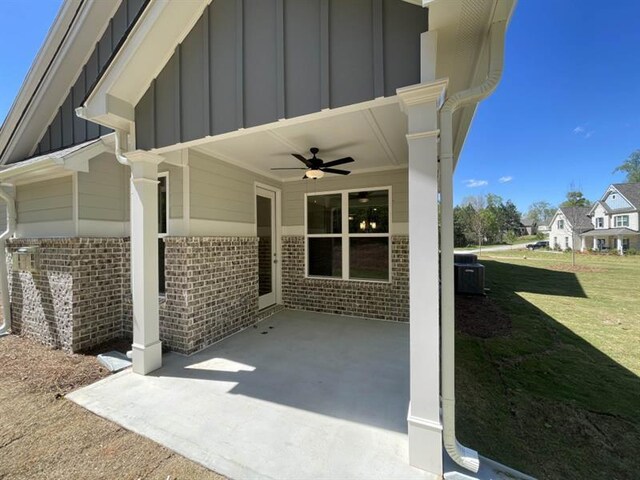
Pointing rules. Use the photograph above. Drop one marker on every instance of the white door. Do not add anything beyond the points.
(267, 246)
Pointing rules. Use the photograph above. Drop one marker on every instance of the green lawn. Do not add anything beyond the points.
(559, 396)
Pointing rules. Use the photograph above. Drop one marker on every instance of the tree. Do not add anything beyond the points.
(631, 167)
(575, 198)
(540, 211)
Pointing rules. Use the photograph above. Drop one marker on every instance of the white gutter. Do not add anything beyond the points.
(4, 278)
(118, 149)
(462, 455)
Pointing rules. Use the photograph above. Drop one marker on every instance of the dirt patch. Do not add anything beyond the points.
(565, 267)
(46, 436)
(478, 316)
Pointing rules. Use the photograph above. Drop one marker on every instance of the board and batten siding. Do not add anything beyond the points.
(66, 128)
(102, 192)
(47, 201)
(293, 193)
(252, 62)
(222, 192)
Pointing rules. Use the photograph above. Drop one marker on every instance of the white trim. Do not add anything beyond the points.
(167, 204)
(75, 202)
(186, 194)
(344, 235)
(53, 229)
(220, 228)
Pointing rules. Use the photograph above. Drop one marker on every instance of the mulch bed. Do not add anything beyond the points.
(479, 316)
(47, 369)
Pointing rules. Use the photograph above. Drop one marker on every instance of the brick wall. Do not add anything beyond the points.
(73, 301)
(211, 290)
(384, 301)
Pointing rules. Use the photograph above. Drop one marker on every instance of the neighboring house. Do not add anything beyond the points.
(528, 226)
(544, 227)
(567, 225)
(615, 219)
(138, 175)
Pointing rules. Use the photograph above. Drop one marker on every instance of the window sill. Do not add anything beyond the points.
(350, 280)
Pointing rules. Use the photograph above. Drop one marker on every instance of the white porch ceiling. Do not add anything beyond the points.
(374, 137)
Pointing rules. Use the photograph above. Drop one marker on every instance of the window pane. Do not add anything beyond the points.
(161, 266)
(369, 258)
(324, 213)
(325, 257)
(369, 212)
(162, 205)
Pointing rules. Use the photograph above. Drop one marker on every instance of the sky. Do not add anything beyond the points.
(567, 110)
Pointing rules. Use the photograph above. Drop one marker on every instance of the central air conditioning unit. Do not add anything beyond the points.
(468, 274)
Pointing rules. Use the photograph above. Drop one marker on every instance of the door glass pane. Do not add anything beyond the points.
(161, 266)
(324, 213)
(369, 258)
(325, 257)
(369, 212)
(265, 240)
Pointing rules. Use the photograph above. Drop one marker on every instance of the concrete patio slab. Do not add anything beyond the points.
(304, 395)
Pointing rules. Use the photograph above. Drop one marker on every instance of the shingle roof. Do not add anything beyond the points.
(578, 215)
(631, 192)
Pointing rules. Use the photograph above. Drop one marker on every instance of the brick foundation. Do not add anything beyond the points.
(384, 301)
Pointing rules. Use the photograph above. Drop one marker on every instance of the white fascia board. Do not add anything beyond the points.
(53, 74)
(147, 49)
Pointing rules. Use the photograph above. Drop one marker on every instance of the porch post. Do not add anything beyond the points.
(583, 245)
(421, 103)
(147, 349)
(620, 247)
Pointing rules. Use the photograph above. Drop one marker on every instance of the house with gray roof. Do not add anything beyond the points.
(567, 225)
(614, 219)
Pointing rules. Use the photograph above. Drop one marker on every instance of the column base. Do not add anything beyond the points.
(146, 358)
(425, 444)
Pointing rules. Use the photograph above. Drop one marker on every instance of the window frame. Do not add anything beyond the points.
(163, 235)
(560, 224)
(345, 235)
(622, 223)
(599, 222)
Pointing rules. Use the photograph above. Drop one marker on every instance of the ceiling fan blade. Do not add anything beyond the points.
(341, 161)
(302, 159)
(290, 168)
(335, 170)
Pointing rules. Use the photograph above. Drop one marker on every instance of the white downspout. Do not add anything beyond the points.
(4, 276)
(463, 456)
(118, 148)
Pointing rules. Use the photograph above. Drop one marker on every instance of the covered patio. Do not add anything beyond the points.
(603, 239)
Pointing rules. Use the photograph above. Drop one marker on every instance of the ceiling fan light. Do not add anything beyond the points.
(315, 174)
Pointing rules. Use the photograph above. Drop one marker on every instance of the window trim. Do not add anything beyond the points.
(615, 221)
(345, 235)
(559, 224)
(599, 222)
(162, 236)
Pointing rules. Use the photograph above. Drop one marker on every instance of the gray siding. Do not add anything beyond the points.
(67, 129)
(103, 190)
(252, 62)
(221, 191)
(3, 216)
(293, 193)
(46, 201)
(175, 189)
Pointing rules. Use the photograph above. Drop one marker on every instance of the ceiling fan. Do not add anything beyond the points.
(316, 167)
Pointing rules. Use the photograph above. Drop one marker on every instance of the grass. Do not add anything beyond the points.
(559, 395)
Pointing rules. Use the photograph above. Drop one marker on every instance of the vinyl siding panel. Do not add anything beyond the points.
(3, 216)
(46, 201)
(264, 60)
(293, 193)
(103, 190)
(222, 192)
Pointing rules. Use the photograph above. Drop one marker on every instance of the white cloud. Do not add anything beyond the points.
(505, 179)
(473, 183)
(589, 134)
(578, 130)
(581, 130)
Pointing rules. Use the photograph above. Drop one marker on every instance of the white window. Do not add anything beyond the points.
(163, 225)
(621, 221)
(599, 222)
(348, 235)
(561, 224)
(566, 242)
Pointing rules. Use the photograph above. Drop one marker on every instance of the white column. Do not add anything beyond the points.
(147, 349)
(421, 103)
(620, 249)
(583, 244)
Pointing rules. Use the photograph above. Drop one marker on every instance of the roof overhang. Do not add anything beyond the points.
(62, 162)
(147, 48)
(66, 49)
(609, 232)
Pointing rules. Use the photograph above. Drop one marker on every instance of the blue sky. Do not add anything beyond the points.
(567, 109)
